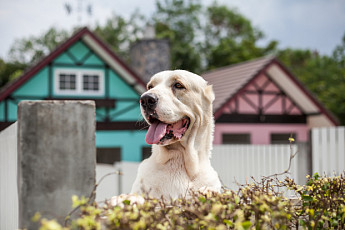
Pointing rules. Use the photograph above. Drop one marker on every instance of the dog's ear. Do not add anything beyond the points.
(208, 93)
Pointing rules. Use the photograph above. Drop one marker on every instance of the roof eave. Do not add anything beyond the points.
(139, 85)
(219, 111)
(309, 94)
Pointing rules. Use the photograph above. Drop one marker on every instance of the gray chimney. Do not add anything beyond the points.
(149, 55)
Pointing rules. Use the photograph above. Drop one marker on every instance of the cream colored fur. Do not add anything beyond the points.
(179, 166)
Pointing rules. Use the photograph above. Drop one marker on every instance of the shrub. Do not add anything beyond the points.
(261, 205)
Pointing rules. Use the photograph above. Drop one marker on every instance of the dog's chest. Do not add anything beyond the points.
(170, 179)
(176, 170)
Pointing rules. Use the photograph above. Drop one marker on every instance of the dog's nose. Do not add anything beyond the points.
(149, 101)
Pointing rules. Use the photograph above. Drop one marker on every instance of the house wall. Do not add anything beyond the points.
(130, 142)
(126, 107)
(261, 133)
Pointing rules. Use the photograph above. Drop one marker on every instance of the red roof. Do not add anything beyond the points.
(12, 86)
(231, 80)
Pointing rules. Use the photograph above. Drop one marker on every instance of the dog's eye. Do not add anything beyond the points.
(178, 85)
(149, 87)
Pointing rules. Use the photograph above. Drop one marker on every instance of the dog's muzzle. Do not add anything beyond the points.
(160, 132)
(149, 102)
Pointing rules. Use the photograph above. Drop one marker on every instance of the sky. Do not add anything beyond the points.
(318, 25)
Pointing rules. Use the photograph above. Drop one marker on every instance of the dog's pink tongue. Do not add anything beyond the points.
(156, 132)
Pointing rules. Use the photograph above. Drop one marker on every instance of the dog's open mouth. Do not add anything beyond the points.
(160, 131)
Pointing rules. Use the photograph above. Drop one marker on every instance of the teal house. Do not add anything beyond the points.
(84, 68)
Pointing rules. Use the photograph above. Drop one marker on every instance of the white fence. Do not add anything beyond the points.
(8, 178)
(115, 184)
(328, 150)
(234, 163)
(238, 163)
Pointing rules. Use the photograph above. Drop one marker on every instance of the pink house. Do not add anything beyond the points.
(261, 102)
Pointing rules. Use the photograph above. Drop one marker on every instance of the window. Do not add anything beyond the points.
(232, 138)
(108, 155)
(67, 81)
(146, 152)
(282, 138)
(91, 82)
(79, 82)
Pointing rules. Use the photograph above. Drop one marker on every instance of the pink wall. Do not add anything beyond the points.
(261, 133)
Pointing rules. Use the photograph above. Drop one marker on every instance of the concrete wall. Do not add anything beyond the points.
(8, 179)
(56, 157)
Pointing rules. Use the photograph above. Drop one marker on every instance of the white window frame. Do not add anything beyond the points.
(79, 82)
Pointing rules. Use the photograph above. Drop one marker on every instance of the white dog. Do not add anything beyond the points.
(178, 108)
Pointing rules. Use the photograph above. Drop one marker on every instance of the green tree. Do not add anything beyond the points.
(339, 53)
(231, 38)
(30, 50)
(119, 32)
(178, 21)
(10, 71)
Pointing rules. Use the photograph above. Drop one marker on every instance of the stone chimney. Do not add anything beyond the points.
(150, 55)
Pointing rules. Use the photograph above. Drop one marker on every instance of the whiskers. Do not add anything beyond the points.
(141, 123)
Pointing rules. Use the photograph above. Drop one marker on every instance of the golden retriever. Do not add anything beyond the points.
(178, 108)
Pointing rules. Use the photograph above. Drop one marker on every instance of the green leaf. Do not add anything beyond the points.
(126, 202)
(246, 224)
(228, 223)
(202, 199)
(307, 198)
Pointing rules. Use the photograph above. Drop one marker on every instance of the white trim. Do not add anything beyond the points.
(297, 95)
(79, 82)
(113, 64)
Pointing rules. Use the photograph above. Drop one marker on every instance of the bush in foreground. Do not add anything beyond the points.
(320, 204)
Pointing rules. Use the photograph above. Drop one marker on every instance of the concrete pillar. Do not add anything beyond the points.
(56, 157)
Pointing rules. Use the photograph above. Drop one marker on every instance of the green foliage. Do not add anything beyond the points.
(119, 32)
(320, 204)
(178, 21)
(323, 75)
(9, 71)
(231, 38)
(30, 50)
(339, 53)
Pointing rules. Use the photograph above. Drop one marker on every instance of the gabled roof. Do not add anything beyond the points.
(230, 81)
(94, 43)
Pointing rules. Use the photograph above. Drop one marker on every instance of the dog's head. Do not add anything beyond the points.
(175, 103)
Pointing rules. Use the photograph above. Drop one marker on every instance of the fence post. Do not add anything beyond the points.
(56, 157)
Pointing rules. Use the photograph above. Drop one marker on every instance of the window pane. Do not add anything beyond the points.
(95, 78)
(85, 85)
(108, 155)
(95, 86)
(72, 85)
(236, 138)
(145, 153)
(62, 85)
(282, 138)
